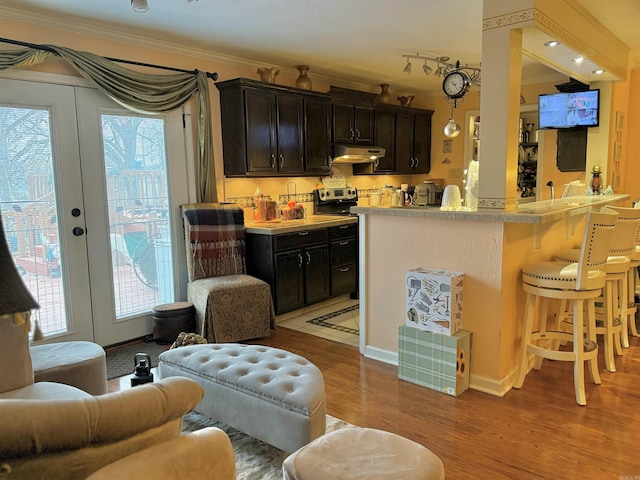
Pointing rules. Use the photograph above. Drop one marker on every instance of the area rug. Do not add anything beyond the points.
(326, 320)
(255, 460)
(120, 359)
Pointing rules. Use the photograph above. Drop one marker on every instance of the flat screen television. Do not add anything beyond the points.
(569, 110)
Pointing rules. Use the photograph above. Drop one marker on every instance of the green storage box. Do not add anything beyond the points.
(433, 360)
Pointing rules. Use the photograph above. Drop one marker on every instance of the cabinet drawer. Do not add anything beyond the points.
(343, 231)
(299, 239)
(344, 251)
(343, 280)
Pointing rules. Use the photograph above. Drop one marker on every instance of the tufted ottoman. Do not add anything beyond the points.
(268, 393)
(79, 364)
(362, 454)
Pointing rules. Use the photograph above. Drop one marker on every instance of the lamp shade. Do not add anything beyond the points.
(14, 295)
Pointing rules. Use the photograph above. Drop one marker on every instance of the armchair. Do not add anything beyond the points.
(56, 431)
(230, 305)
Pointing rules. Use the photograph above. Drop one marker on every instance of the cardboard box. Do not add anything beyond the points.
(434, 300)
(432, 360)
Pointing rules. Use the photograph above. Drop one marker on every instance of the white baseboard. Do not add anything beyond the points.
(480, 383)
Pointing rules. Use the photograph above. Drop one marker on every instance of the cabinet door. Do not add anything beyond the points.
(363, 126)
(385, 137)
(289, 281)
(342, 128)
(261, 141)
(316, 273)
(317, 145)
(289, 128)
(422, 144)
(404, 143)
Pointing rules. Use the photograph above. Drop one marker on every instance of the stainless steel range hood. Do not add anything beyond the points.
(353, 154)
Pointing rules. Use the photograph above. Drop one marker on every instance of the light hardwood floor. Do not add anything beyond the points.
(538, 432)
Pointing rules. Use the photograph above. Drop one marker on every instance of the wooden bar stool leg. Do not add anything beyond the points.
(622, 302)
(607, 327)
(542, 317)
(578, 350)
(617, 317)
(631, 304)
(591, 335)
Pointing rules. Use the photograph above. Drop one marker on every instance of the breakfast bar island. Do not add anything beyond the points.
(489, 247)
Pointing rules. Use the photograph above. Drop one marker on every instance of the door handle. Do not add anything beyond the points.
(273, 160)
(281, 160)
(300, 260)
(78, 231)
(308, 258)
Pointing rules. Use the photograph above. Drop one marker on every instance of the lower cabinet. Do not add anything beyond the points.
(296, 265)
(344, 256)
(306, 266)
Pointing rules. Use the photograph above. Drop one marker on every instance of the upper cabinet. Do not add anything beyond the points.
(352, 119)
(405, 133)
(271, 130)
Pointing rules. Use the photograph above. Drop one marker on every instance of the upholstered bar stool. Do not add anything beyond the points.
(633, 285)
(578, 283)
(612, 318)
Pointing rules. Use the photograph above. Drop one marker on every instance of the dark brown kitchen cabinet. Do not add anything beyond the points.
(405, 134)
(413, 142)
(352, 116)
(343, 246)
(272, 130)
(317, 131)
(296, 265)
(352, 125)
(385, 136)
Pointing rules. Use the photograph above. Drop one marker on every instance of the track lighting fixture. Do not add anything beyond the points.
(139, 6)
(443, 67)
(427, 69)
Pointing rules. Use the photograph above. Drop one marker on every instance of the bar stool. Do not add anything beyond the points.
(633, 285)
(579, 283)
(612, 317)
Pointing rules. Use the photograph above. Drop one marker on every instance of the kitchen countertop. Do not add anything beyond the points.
(311, 222)
(545, 211)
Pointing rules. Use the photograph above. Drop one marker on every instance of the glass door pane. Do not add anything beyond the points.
(138, 206)
(28, 208)
(42, 205)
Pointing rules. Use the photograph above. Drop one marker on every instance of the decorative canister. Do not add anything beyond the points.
(303, 81)
(406, 101)
(385, 96)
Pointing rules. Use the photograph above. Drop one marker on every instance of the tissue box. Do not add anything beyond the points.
(434, 300)
(432, 360)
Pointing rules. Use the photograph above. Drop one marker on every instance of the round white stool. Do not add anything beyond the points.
(356, 453)
(79, 364)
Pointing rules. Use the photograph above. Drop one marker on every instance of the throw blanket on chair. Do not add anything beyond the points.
(215, 240)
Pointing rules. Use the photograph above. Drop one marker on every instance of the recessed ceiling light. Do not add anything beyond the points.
(551, 43)
(598, 71)
(578, 59)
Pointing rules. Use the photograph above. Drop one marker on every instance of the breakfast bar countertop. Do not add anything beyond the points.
(545, 211)
(311, 222)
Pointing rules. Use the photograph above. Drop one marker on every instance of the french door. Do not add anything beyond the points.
(89, 204)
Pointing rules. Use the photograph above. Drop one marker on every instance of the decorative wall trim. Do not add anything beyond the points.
(513, 18)
(498, 203)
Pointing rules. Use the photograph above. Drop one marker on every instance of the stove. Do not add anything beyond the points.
(335, 201)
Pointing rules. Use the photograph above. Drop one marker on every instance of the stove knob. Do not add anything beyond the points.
(328, 193)
(321, 194)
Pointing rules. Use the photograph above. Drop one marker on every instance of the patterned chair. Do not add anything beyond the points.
(230, 305)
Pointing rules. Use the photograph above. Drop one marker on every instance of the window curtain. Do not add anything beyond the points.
(140, 92)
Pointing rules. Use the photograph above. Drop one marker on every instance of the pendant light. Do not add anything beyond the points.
(452, 128)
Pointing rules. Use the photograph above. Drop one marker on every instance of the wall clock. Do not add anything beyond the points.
(456, 84)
